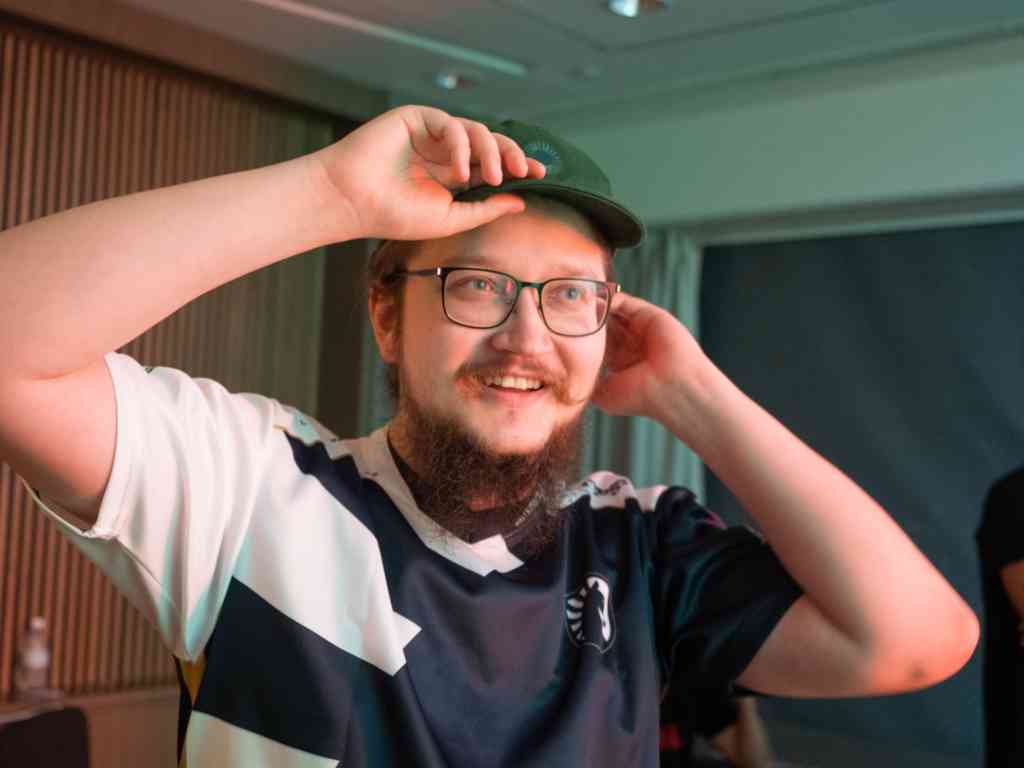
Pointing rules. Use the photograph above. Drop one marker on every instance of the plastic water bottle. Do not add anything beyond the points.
(32, 671)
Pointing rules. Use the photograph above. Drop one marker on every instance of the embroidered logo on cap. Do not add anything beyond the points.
(543, 152)
(588, 614)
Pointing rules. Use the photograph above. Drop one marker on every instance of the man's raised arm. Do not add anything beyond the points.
(79, 284)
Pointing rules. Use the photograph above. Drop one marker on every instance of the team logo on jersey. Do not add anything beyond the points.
(588, 614)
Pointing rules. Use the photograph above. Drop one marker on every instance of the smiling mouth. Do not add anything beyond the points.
(513, 383)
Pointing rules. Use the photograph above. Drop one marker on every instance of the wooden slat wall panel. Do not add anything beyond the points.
(80, 123)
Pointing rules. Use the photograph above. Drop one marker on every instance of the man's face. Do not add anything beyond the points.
(447, 369)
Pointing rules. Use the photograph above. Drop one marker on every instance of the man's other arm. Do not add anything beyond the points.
(876, 616)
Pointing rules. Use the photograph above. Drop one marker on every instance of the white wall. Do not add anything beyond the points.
(927, 129)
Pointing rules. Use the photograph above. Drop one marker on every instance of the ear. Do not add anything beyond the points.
(384, 319)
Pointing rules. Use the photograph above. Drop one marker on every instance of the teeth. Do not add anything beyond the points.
(512, 382)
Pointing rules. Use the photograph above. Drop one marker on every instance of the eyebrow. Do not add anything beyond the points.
(561, 269)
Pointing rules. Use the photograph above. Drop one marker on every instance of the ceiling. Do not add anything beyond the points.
(547, 57)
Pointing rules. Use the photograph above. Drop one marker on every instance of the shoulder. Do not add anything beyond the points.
(607, 489)
(654, 504)
(304, 428)
(194, 408)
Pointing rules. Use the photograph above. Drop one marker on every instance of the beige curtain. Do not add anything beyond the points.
(665, 270)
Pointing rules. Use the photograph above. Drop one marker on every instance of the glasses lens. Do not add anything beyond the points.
(575, 307)
(477, 297)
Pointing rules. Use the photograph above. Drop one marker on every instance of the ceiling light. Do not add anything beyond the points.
(633, 8)
(453, 81)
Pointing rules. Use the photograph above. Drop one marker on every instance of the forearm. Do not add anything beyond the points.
(81, 283)
(855, 564)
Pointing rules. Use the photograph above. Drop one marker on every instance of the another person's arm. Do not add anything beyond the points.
(745, 740)
(1013, 582)
(876, 616)
(79, 284)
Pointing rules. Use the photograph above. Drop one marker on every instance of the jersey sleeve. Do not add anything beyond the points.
(188, 466)
(718, 593)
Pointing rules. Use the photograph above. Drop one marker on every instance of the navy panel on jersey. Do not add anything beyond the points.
(559, 661)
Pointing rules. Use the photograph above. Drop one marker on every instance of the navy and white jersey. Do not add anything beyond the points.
(320, 619)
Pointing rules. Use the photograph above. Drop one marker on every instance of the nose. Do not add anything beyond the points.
(524, 331)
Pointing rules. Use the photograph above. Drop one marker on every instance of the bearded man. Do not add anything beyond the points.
(441, 592)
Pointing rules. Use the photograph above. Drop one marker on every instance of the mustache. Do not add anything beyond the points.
(554, 381)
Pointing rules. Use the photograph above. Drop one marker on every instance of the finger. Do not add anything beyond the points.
(484, 151)
(627, 302)
(622, 350)
(622, 312)
(512, 155)
(629, 308)
(528, 168)
(463, 216)
(622, 335)
(618, 326)
(476, 178)
(535, 168)
(440, 127)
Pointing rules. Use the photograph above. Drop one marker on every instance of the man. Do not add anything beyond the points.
(432, 595)
(1000, 539)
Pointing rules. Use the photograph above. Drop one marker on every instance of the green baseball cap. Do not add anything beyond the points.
(572, 177)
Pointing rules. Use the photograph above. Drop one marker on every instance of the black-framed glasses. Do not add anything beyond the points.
(484, 298)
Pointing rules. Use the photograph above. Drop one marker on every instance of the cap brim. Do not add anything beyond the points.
(618, 225)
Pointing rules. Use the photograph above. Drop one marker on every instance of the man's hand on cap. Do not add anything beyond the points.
(394, 177)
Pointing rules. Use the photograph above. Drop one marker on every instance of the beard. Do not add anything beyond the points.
(454, 468)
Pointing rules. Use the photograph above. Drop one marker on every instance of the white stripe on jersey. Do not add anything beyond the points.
(291, 559)
(213, 743)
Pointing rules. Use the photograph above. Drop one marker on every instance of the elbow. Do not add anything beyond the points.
(964, 642)
(928, 655)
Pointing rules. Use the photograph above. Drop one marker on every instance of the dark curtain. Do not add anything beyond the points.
(899, 357)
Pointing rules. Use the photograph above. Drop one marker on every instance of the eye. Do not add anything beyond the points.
(572, 292)
(476, 283)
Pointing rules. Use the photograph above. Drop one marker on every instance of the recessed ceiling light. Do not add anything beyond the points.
(633, 8)
(453, 81)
